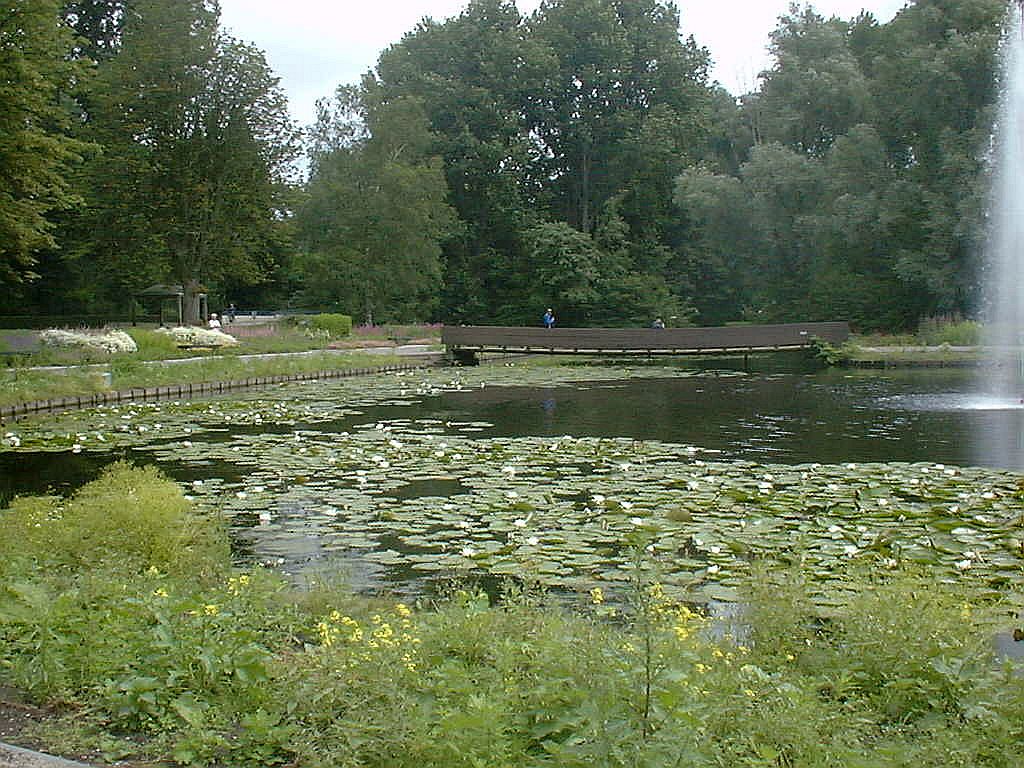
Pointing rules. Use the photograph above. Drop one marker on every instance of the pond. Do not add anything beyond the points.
(560, 473)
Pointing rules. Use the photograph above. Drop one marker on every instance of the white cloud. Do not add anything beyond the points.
(316, 45)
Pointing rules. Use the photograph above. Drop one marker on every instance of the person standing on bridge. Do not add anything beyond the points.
(549, 318)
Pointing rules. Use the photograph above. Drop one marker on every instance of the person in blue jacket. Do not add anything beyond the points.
(549, 318)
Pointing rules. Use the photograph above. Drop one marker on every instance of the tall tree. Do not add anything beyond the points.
(622, 77)
(376, 211)
(36, 150)
(199, 146)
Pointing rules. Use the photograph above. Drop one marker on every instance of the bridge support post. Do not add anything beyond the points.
(461, 356)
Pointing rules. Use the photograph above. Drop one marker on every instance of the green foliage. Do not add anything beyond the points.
(166, 653)
(129, 519)
(36, 150)
(830, 354)
(376, 210)
(936, 331)
(336, 326)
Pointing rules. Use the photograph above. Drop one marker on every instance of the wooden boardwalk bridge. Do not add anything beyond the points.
(463, 342)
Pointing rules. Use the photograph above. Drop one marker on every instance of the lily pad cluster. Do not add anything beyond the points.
(314, 482)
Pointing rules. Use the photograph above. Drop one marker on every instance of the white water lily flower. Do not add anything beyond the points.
(241, 495)
(457, 456)
(950, 472)
(940, 466)
(636, 520)
(468, 552)
(197, 483)
(851, 465)
(626, 504)
(915, 481)
(76, 448)
(850, 549)
(692, 485)
(519, 522)
(464, 525)
(265, 517)
(714, 568)
(832, 487)
(625, 467)
(597, 498)
(988, 495)
(511, 494)
(963, 565)
(186, 443)
(533, 541)
(259, 488)
(714, 549)
(883, 502)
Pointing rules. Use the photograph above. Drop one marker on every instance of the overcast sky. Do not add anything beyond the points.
(316, 45)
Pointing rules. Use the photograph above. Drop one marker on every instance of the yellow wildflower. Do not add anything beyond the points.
(596, 596)
(210, 609)
(161, 592)
(403, 610)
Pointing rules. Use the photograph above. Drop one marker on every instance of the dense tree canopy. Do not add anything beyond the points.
(494, 164)
(35, 148)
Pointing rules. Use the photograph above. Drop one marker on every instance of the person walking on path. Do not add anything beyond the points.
(549, 318)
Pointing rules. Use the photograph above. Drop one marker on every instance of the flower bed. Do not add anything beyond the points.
(111, 341)
(188, 336)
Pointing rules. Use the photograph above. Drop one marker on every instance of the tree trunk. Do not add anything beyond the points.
(193, 315)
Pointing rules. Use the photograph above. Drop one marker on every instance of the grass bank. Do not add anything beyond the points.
(120, 611)
(19, 385)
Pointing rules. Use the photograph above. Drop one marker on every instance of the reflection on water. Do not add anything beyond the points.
(830, 417)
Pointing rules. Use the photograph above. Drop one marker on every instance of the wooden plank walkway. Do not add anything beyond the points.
(464, 341)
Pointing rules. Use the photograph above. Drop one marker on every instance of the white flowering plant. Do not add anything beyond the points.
(109, 341)
(199, 337)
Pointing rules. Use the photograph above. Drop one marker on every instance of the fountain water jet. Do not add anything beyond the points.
(1003, 384)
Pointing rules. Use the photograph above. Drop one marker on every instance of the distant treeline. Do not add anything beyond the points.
(494, 165)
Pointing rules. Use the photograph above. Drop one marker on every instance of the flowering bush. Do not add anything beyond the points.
(199, 337)
(108, 341)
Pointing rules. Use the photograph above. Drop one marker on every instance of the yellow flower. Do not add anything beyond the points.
(682, 632)
(790, 657)
(596, 596)
(403, 610)
(160, 592)
(717, 653)
(750, 693)
(701, 668)
(210, 609)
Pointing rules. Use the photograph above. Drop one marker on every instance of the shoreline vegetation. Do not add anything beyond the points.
(42, 375)
(129, 635)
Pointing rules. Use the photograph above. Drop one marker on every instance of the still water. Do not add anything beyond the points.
(780, 417)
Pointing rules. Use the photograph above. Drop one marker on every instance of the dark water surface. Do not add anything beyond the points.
(782, 417)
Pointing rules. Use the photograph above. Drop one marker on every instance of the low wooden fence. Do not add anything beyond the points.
(180, 391)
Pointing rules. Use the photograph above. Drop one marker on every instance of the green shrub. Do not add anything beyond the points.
(119, 604)
(934, 332)
(130, 519)
(337, 326)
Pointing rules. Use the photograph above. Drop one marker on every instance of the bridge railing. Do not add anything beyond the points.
(642, 340)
